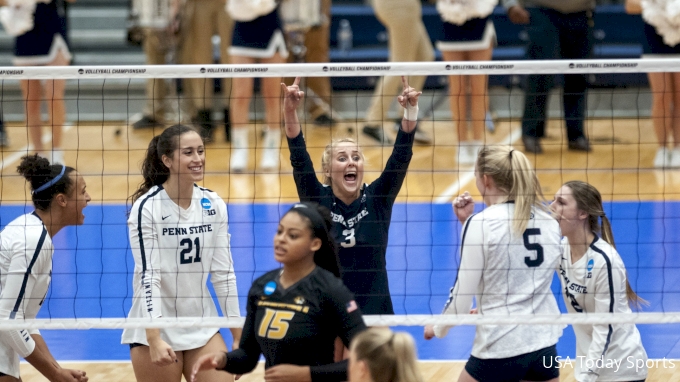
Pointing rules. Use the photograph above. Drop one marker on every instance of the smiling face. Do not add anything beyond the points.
(346, 170)
(294, 242)
(76, 201)
(188, 160)
(566, 211)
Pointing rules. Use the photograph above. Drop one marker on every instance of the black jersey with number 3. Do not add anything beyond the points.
(297, 325)
(361, 228)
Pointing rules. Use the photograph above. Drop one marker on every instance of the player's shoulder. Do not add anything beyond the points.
(143, 201)
(263, 280)
(602, 252)
(208, 198)
(325, 281)
(28, 224)
(205, 192)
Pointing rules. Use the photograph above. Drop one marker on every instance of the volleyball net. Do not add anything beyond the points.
(92, 268)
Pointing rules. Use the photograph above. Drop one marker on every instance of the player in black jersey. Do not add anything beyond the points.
(295, 313)
(361, 212)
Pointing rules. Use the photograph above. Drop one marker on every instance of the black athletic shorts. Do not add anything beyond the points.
(540, 365)
(135, 344)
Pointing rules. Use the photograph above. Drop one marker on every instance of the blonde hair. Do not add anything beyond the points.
(511, 171)
(589, 200)
(327, 156)
(389, 356)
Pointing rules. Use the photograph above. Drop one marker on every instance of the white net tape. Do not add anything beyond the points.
(342, 70)
(377, 320)
(345, 70)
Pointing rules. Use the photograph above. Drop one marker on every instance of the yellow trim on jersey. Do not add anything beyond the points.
(297, 308)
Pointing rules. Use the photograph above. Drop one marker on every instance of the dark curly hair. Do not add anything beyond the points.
(38, 171)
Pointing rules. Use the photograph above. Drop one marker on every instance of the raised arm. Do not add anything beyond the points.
(308, 185)
(408, 99)
(292, 97)
(390, 181)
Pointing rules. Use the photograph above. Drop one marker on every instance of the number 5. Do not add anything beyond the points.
(533, 247)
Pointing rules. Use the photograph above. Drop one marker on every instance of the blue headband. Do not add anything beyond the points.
(51, 182)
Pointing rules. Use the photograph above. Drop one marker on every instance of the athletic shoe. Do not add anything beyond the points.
(145, 122)
(272, 148)
(675, 157)
(239, 150)
(376, 132)
(662, 158)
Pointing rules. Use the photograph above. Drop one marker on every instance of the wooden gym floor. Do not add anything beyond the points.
(620, 166)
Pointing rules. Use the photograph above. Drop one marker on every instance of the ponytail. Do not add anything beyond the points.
(512, 172)
(154, 170)
(589, 200)
(389, 356)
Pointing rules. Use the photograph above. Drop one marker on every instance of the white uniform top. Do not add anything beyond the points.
(174, 251)
(25, 274)
(508, 274)
(597, 283)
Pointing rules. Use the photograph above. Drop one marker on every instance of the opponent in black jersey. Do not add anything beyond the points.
(296, 312)
(362, 213)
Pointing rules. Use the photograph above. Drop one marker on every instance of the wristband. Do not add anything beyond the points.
(411, 112)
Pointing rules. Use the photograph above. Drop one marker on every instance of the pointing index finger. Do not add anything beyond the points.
(404, 82)
(297, 81)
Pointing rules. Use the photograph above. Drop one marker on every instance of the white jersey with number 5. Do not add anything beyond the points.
(509, 274)
(175, 250)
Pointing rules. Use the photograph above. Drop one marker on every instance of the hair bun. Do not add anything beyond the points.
(35, 169)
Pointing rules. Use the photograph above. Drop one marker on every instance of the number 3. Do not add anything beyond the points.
(350, 240)
(533, 247)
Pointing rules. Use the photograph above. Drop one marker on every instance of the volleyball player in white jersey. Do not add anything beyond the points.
(59, 197)
(509, 253)
(594, 280)
(178, 235)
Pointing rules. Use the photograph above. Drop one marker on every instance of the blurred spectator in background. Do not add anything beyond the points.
(662, 40)
(469, 35)
(408, 41)
(258, 37)
(556, 30)
(41, 39)
(158, 43)
(4, 138)
(200, 21)
(317, 42)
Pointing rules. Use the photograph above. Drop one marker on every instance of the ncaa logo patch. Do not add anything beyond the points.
(205, 203)
(591, 264)
(269, 288)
